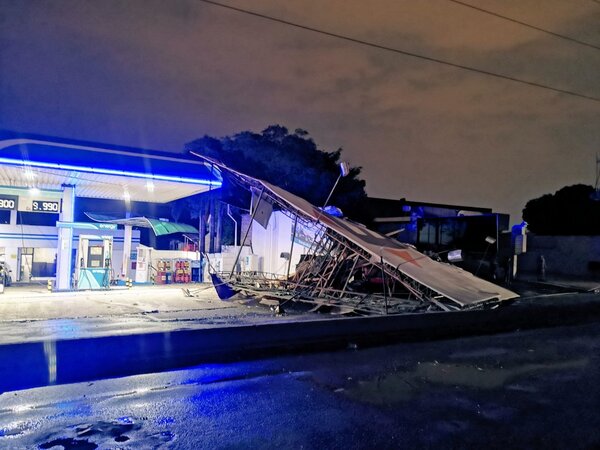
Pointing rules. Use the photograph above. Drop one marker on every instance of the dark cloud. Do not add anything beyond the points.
(159, 74)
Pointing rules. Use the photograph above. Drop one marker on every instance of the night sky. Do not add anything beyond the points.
(158, 74)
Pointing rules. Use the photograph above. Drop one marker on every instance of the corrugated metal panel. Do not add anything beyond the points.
(450, 281)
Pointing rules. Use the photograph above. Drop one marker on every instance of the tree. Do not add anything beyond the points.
(177, 208)
(291, 161)
(201, 208)
(569, 211)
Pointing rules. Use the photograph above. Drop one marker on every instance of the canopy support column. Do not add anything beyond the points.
(126, 248)
(65, 240)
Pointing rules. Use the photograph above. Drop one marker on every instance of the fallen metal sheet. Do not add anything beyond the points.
(450, 281)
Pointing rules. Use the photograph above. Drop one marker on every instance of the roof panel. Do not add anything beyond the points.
(85, 159)
(98, 186)
(160, 227)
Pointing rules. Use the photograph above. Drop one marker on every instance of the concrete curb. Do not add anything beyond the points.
(35, 364)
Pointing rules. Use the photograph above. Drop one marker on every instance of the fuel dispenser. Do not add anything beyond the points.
(94, 262)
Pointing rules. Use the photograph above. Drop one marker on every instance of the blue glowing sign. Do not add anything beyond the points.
(87, 225)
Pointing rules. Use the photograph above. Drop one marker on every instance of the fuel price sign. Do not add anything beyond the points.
(8, 202)
(45, 206)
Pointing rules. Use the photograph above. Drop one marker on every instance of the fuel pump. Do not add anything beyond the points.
(94, 262)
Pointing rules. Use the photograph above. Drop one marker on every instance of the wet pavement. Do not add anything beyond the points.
(528, 389)
(31, 314)
(59, 338)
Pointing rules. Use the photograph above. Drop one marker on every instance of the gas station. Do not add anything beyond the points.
(41, 180)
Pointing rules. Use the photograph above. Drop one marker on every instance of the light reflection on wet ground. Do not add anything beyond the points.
(534, 389)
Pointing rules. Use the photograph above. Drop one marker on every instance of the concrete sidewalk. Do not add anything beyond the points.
(31, 303)
(30, 313)
(33, 314)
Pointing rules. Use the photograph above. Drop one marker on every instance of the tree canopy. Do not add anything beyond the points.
(569, 211)
(291, 161)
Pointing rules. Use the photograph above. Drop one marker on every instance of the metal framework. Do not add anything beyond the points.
(336, 273)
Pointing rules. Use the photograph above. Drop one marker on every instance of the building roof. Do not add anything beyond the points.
(101, 170)
(384, 207)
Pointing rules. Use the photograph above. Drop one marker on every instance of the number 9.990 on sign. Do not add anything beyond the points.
(42, 206)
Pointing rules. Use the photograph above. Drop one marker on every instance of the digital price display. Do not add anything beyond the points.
(45, 206)
(8, 202)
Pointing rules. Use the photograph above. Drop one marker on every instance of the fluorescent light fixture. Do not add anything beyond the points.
(344, 168)
(455, 256)
(47, 165)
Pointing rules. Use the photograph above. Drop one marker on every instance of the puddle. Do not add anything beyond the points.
(401, 386)
(487, 378)
(102, 434)
(70, 444)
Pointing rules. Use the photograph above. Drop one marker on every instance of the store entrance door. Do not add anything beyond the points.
(25, 264)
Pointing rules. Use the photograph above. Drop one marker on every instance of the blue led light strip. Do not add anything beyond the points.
(46, 165)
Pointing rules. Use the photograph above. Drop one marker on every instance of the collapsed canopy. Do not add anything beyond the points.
(345, 243)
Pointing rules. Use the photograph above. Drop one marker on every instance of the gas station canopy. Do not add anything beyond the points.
(101, 171)
(40, 174)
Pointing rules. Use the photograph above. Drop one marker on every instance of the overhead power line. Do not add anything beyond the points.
(525, 24)
(403, 52)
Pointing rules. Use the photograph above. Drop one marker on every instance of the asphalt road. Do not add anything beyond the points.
(530, 389)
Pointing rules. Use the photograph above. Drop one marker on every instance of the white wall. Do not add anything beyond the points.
(270, 243)
(267, 244)
(224, 261)
(564, 255)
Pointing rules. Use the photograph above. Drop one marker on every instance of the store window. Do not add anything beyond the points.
(39, 219)
(44, 262)
(36, 263)
(4, 216)
(428, 234)
(447, 232)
